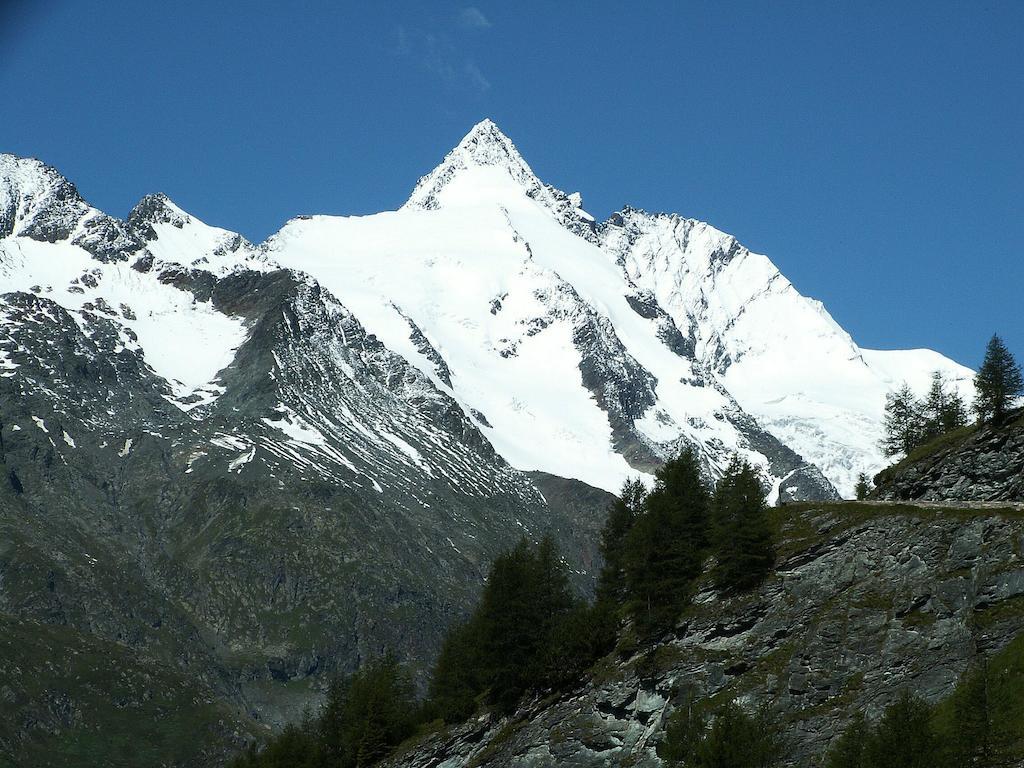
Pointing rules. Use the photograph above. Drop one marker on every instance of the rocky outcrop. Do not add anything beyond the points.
(206, 564)
(865, 601)
(979, 464)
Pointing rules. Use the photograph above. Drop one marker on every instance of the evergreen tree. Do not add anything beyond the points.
(979, 736)
(666, 544)
(943, 409)
(863, 487)
(684, 731)
(585, 634)
(903, 737)
(733, 740)
(955, 414)
(458, 676)
(368, 715)
(903, 422)
(622, 514)
(849, 749)
(742, 533)
(528, 632)
(295, 747)
(998, 382)
(527, 595)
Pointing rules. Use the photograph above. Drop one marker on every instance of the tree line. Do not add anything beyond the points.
(911, 422)
(529, 633)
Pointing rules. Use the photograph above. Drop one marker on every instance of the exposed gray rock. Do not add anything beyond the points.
(986, 465)
(865, 602)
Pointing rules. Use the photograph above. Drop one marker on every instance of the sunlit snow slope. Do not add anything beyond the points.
(582, 349)
(780, 354)
(494, 272)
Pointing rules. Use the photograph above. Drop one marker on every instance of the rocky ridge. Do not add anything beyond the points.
(984, 464)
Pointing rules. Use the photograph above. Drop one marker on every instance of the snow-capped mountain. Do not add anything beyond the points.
(581, 349)
(242, 467)
(692, 331)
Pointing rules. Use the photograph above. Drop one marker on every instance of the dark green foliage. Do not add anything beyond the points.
(910, 422)
(528, 633)
(981, 724)
(904, 422)
(622, 514)
(849, 749)
(742, 533)
(459, 674)
(902, 738)
(998, 382)
(733, 739)
(979, 736)
(586, 633)
(943, 409)
(526, 596)
(295, 747)
(366, 716)
(684, 731)
(863, 487)
(666, 544)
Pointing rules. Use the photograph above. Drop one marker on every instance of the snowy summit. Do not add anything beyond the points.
(582, 349)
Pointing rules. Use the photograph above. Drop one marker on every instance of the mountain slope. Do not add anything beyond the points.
(213, 474)
(866, 601)
(239, 468)
(978, 463)
(781, 355)
(565, 365)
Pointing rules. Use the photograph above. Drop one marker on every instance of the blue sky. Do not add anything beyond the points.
(873, 150)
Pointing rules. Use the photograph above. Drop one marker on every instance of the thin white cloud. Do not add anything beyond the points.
(476, 77)
(473, 18)
(437, 54)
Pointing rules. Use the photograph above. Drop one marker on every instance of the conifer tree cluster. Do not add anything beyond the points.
(910, 422)
(655, 544)
(366, 716)
(728, 738)
(528, 632)
(977, 726)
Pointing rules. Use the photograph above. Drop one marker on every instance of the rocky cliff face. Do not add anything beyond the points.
(865, 601)
(975, 464)
(183, 567)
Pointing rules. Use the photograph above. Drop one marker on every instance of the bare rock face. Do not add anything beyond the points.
(985, 465)
(865, 602)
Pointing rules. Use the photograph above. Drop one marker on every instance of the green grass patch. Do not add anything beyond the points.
(102, 704)
(1011, 608)
(944, 441)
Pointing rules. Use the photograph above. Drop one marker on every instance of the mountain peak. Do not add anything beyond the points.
(487, 144)
(37, 201)
(484, 147)
(486, 167)
(156, 209)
